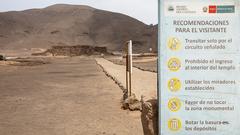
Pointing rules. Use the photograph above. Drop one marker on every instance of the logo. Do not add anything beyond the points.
(174, 104)
(205, 9)
(226, 9)
(174, 44)
(221, 9)
(170, 8)
(174, 64)
(174, 84)
(212, 9)
(174, 124)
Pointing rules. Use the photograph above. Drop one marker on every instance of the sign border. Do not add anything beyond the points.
(160, 10)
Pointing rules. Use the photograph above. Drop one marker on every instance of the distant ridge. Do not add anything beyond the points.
(68, 25)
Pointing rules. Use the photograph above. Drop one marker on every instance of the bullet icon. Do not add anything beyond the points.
(174, 64)
(174, 85)
(174, 124)
(174, 104)
(174, 44)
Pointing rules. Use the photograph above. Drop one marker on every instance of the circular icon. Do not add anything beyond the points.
(174, 104)
(174, 64)
(174, 44)
(174, 124)
(205, 9)
(174, 84)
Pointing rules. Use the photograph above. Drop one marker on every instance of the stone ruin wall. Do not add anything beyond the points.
(74, 51)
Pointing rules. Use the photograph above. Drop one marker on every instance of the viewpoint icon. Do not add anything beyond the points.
(174, 85)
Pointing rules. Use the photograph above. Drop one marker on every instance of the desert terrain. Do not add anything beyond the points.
(64, 96)
(60, 74)
(69, 25)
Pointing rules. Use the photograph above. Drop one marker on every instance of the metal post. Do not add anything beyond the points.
(130, 66)
(127, 80)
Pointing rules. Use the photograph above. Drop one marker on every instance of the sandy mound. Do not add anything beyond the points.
(70, 25)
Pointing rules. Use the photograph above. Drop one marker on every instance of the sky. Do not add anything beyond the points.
(143, 10)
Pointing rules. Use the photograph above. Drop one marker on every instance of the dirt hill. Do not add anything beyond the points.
(69, 25)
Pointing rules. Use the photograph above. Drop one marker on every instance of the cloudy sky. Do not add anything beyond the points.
(143, 10)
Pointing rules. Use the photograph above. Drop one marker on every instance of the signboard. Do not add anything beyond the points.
(199, 78)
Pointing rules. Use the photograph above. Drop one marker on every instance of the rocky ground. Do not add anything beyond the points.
(63, 96)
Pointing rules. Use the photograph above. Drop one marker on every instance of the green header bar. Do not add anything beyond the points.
(226, 9)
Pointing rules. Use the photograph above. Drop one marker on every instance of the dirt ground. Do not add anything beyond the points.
(66, 96)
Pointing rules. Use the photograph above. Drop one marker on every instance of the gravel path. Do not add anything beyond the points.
(143, 82)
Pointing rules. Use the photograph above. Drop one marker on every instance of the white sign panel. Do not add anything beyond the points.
(199, 78)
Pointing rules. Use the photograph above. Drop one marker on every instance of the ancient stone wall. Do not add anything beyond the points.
(74, 50)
